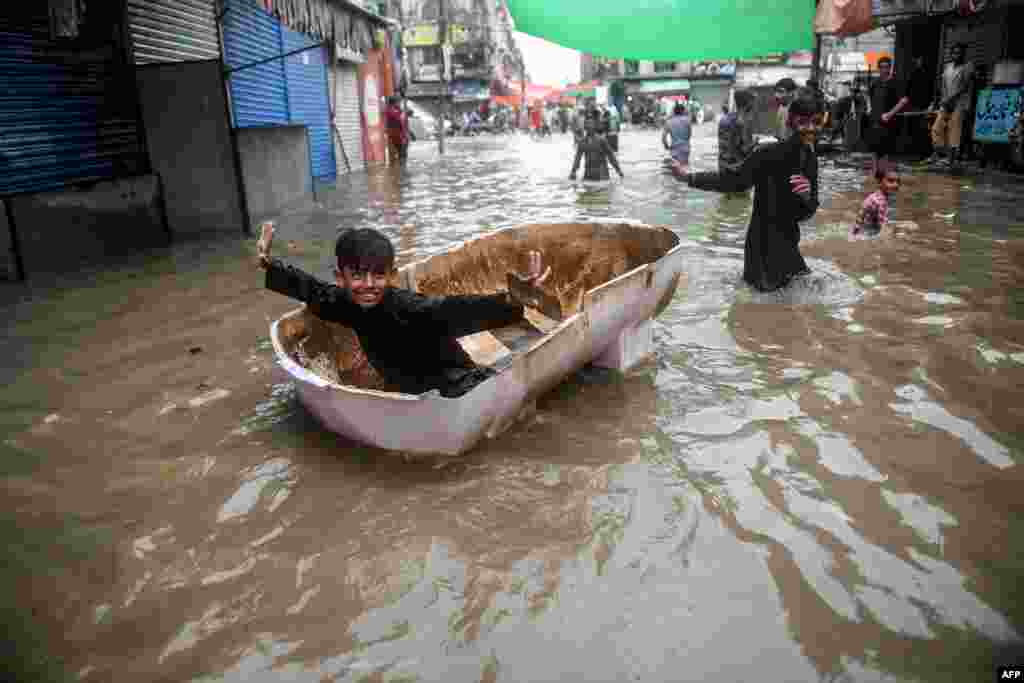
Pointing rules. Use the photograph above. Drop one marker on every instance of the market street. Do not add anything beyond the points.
(822, 484)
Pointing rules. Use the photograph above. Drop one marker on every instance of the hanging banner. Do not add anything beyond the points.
(843, 17)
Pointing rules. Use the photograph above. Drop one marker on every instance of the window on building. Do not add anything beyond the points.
(632, 66)
(430, 54)
(662, 67)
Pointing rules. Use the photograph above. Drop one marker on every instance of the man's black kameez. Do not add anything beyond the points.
(770, 255)
(409, 338)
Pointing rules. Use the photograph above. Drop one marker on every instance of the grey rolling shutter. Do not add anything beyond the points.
(347, 119)
(173, 30)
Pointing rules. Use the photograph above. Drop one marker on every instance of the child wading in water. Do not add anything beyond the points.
(874, 214)
(409, 339)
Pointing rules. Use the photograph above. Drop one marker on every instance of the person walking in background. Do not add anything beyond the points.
(676, 136)
(735, 138)
(611, 126)
(888, 97)
(784, 91)
(397, 126)
(595, 150)
(955, 100)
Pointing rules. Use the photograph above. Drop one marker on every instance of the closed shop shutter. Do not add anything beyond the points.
(68, 110)
(259, 95)
(306, 76)
(173, 30)
(346, 117)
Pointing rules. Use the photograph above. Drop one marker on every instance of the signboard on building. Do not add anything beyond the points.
(662, 86)
(470, 89)
(424, 35)
(996, 113)
(776, 58)
(346, 55)
(714, 69)
(800, 58)
(421, 35)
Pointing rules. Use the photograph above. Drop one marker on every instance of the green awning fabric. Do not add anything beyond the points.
(670, 30)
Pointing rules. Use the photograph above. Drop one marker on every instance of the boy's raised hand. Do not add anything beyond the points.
(536, 274)
(265, 242)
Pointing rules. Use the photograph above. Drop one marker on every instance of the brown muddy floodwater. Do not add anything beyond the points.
(822, 485)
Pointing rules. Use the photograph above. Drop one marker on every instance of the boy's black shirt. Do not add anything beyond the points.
(409, 338)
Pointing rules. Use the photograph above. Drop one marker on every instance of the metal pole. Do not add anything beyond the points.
(19, 263)
(522, 92)
(816, 62)
(235, 69)
(443, 40)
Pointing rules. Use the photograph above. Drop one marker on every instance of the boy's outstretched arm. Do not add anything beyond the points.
(324, 299)
(264, 244)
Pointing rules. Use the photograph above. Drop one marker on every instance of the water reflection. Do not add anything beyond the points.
(820, 484)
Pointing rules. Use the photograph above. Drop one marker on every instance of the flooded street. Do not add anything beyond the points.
(822, 485)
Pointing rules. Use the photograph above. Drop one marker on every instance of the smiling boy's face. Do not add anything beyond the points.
(366, 287)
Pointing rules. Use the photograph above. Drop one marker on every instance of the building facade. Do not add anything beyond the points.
(460, 67)
(709, 83)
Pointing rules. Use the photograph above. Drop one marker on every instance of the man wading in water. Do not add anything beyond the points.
(409, 339)
(785, 176)
(596, 150)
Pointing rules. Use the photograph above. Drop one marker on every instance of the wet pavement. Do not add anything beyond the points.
(816, 485)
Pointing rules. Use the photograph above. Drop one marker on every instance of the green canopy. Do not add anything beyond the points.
(670, 30)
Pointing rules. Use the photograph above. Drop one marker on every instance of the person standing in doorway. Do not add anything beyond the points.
(398, 131)
(888, 98)
(954, 102)
(676, 136)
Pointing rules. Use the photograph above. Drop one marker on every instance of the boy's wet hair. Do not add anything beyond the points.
(679, 109)
(787, 84)
(364, 250)
(883, 168)
(807, 102)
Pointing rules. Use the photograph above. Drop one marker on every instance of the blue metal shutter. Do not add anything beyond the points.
(67, 113)
(173, 30)
(258, 94)
(306, 74)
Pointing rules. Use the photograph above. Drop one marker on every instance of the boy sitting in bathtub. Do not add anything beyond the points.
(409, 339)
(874, 214)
